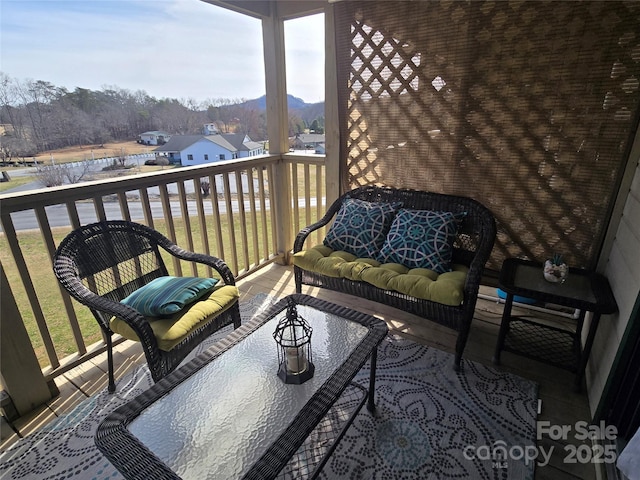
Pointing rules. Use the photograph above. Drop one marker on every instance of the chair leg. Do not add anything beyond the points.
(112, 384)
(236, 315)
(297, 272)
(461, 342)
(457, 362)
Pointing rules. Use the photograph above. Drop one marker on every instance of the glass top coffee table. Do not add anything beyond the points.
(226, 414)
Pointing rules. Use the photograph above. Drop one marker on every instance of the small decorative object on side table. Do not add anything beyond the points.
(555, 270)
(293, 336)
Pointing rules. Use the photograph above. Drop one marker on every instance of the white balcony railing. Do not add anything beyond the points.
(247, 219)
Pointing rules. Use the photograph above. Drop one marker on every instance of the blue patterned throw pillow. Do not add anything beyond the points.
(165, 296)
(421, 239)
(360, 227)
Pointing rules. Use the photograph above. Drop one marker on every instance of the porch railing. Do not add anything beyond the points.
(239, 217)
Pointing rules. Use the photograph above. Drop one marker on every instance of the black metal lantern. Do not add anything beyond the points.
(293, 336)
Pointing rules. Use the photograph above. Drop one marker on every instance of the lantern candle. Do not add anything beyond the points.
(296, 360)
(293, 337)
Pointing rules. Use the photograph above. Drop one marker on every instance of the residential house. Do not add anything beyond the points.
(190, 150)
(209, 129)
(155, 137)
(303, 141)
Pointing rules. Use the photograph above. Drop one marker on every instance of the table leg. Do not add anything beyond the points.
(584, 358)
(371, 406)
(577, 339)
(504, 327)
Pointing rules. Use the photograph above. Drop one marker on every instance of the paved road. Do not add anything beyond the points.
(58, 217)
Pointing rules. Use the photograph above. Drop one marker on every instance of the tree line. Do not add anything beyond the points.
(37, 116)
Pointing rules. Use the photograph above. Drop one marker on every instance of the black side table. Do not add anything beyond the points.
(584, 290)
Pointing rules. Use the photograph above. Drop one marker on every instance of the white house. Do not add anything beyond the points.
(199, 149)
(154, 137)
(303, 141)
(209, 129)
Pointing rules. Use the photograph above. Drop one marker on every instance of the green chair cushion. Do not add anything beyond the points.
(165, 296)
(171, 331)
(446, 288)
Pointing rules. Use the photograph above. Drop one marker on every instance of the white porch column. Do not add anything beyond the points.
(332, 128)
(278, 126)
(20, 371)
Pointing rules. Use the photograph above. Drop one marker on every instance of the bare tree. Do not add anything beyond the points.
(205, 187)
(50, 117)
(220, 112)
(11, 146)
(56, 175)
(122, 157)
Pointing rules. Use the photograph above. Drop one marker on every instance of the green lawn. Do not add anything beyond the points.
(15, 182)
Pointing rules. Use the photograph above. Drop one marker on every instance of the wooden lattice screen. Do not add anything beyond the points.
(528, 107)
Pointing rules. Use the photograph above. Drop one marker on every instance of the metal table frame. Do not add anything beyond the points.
(583, 290)
(135, 461)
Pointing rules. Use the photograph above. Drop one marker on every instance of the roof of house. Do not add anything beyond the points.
(155, 132)
(219, 139)
(178, 143)
(311, 137)
(232, 142)
(240, 141)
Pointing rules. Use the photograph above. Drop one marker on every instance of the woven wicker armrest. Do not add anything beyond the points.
(214, 262)
(325, 220)
(482, 254)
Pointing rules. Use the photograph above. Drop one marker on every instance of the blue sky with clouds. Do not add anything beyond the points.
(168, 48)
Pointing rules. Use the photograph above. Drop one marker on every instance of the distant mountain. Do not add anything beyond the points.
(292, 102)
(307, 111)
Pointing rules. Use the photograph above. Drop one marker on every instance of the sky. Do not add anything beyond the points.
(184, 49)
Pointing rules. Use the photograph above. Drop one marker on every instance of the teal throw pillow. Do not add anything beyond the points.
(360, 227)
(421, 239)
(165, 296)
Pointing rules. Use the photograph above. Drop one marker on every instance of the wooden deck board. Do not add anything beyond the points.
(560, 405)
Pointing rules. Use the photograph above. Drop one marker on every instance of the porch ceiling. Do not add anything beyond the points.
(282, 9)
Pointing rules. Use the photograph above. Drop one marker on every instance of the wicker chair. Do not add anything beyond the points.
(472, 248)
(102, 263)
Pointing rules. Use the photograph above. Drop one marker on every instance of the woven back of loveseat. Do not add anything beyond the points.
(477, 232)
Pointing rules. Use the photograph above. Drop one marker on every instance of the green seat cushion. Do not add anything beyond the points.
(165, 296)
(360, 227)
(171, 331)
(421, 239)
(446, 288)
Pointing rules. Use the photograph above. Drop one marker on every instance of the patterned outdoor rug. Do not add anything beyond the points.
(430, 423)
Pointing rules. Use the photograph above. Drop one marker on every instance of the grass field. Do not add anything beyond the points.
(15, 182)
(81, 153)
(84, 152)
(48, 291)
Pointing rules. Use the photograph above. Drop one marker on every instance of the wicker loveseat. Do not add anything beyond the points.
(447, 296)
